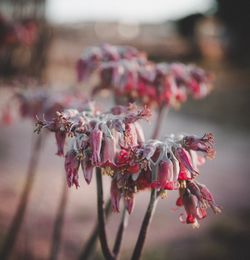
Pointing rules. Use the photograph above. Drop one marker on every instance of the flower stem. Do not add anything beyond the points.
(58, 225)
(101, 218)
(90, 246)
(145, 225)
(159, 118)
(119, 235)
(17, 221)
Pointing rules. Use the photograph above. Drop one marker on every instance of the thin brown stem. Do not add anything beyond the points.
(58, 225)
(157, 129)
(17, 221)
(119, 235)
(145, 225)
(108, 255)
(90, 246)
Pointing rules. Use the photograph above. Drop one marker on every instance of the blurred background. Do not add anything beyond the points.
(40, 42)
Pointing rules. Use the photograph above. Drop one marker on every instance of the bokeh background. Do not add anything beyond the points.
(51, 36)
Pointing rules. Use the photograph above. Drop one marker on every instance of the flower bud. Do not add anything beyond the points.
(109, 151)
(184, 160)
(96, 145)
(71, 165)
(87, 169)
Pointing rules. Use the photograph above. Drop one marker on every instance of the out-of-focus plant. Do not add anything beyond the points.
(133, 78)
(31, 104)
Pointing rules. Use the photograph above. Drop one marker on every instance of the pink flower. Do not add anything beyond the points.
(87, 169)
(190, 205)
(109, 151)
(165, 177)
(196, 198)
(71, 165)
(96, 145)
(184, 160)
(204, 144)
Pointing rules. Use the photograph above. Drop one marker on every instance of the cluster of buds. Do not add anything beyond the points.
(34, 103)
(114, 142)
(132, 77)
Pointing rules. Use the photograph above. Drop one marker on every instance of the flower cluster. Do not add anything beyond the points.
(34, 103)
(132, 77)
(97, 138)
(114, 142)
(168, 165)
(93, 57)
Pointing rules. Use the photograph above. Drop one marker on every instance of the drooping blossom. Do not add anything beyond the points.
(167, 165)
(98, 138)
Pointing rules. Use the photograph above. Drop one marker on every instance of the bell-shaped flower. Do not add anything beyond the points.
(204, 144)
(87, 169)
(108, 150)
(71, 165)
(96, 145)
(184, 160)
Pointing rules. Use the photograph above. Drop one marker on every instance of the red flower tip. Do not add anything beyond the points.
(190, 219)
(179, 202)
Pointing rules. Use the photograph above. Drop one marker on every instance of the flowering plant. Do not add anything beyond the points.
(114, 142)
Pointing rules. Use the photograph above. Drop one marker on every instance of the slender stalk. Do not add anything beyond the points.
(159, 118)
(145, 225)
(17, 221)
(58, 225)
(119, 235)
(153, 198)
(108, 255)
(90, 246)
